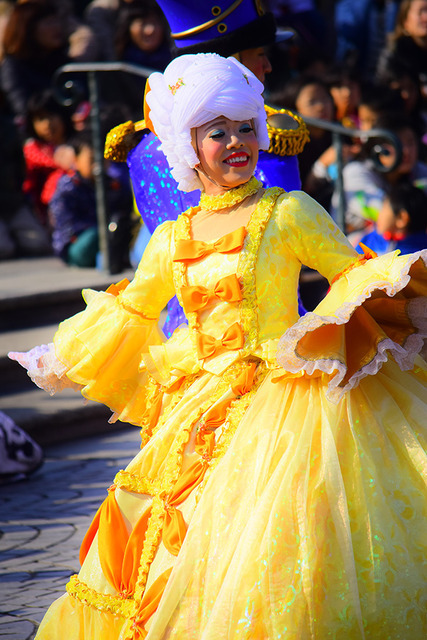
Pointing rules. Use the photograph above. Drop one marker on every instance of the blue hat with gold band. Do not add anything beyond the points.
(225, 27)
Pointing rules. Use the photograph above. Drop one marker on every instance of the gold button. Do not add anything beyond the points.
(222, 27)
(216, 10)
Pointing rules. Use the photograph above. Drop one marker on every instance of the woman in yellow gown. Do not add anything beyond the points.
(280, 489)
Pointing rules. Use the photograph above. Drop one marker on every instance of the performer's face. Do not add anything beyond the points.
(256, 60)
(228, 153)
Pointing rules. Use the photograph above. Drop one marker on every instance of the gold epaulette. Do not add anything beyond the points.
(288, 132)
(121, 140)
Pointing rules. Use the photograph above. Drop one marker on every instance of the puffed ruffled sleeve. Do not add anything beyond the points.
(312, 235)
(375, 308)
(102, 346)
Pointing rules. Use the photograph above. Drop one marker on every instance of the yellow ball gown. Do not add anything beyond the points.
(280, 489)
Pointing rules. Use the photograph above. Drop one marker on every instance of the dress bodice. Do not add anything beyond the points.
(285, 231)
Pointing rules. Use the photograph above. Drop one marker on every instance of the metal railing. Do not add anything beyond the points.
(376, 143)
(375, 140)
(66, 93)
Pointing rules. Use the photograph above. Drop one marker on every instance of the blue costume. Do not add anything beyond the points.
(380, 244)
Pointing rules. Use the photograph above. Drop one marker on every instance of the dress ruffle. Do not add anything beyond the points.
(101, 348)
(373, 311)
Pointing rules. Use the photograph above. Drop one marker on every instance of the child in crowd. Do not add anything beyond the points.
(47, 154)
(309, 96)
(21, 234)
(141, 38)
(377, 100)
(344, 85)
(401, 223)
(73, 214)
(365, 186)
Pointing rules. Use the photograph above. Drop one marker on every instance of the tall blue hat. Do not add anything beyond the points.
(223, 27)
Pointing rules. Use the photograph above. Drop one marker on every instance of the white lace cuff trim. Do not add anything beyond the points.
(44, 368)
(404, 355)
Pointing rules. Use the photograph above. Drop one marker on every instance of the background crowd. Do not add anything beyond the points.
(361, 64)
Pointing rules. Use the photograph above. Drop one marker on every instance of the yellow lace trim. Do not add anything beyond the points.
(179, 269)
(135, 484)
(116, 605)
(151, 542)
(169, 479)
(247, 266)
(231, 197)
(286, 142)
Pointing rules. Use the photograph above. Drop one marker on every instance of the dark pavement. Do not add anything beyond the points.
(43, 521)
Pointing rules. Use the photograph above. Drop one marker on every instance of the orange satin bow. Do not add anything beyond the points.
(207, 346)
(197, 297)
(187, 250)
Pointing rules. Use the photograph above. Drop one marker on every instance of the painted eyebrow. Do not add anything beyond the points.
(212, 125)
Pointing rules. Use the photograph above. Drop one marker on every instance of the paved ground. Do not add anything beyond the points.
(43, 520)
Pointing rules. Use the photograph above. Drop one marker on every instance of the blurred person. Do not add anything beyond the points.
(407, 82)
(141, 38)
(47, 154)
(408, 43)
(401, 222)
(344, 84)
(365, 186)
(313, 31)
(361, 29)
(310, 97)
(376, 100)
(34, 45)
(101, 16)
(6, 7)
(73, 213)
(21, 234)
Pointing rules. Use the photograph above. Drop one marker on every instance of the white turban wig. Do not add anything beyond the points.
(193, 90)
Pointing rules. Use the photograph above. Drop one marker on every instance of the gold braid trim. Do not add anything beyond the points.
(116, 605)
(286, 142)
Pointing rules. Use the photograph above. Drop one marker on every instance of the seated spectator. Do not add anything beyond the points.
(21, 234)
(361, 31)
(407, 46)
(407, 83)
(101, 16)
(343, 82)
(401, 223)
(141, 38)
(73, 211)
(365, 186)
(47, 155)
(82, 44)
(309, 97)
(377, 100)
(34, 45)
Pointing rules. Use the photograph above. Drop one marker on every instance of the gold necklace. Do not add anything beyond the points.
(231, 197)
